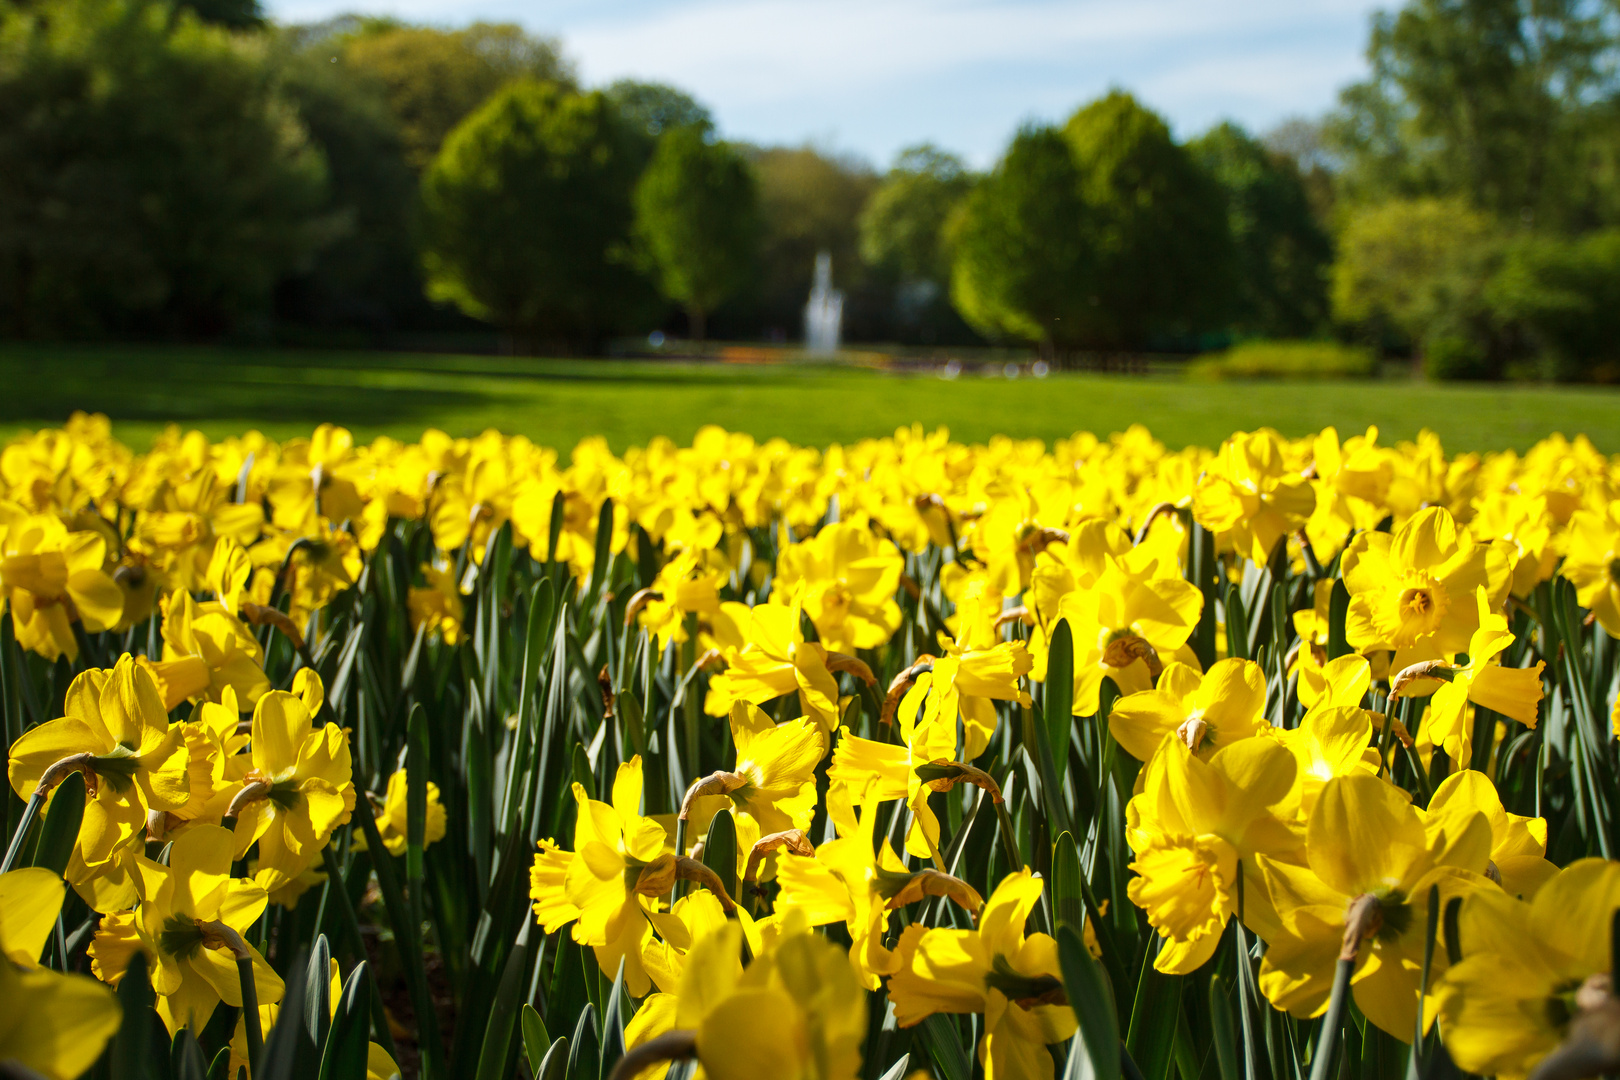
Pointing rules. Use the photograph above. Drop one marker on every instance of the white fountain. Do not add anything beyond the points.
(824, 314)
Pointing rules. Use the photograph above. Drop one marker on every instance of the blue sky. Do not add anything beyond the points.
(871, 76)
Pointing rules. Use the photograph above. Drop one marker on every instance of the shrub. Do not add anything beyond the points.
(1287, 360)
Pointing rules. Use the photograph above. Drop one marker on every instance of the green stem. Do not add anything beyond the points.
(1334, 1020)
(31, 811)
(250, 1010)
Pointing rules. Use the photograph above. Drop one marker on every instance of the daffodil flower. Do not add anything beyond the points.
(1513, 692)
(848, 578)
(1250, 498)
(205, 650)
(54, 578)
(996, 970)
(53, 1024)
(1592, 563)
(775, 660)
(1518, 843)
(688, 584)
(1366, 847)
(189, 924)
(1412, 590)
(857, 881)
(1205, 711)
(1510, 1000)
(299, 786)
(117, 733)
(1192, 826)
(392, 823)
(773, 781)
(438, 605)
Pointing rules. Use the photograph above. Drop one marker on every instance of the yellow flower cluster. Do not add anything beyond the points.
(1269, 634)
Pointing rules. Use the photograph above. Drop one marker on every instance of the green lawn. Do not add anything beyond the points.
(558, 402)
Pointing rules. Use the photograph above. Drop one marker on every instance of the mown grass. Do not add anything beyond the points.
(558, 402)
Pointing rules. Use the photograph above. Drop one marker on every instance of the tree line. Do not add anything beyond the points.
(190, 170)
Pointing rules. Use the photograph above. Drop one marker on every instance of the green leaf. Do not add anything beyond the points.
(720, 850)
(1220, 1021)
(898, 1069)
(497, 1044)
(186, 1057)
(585, 1056)
(130, 1055)
(554, 1066)
(1059, 702)
(416, 799)
(536, 1040)
(1237, 631)
(1068, 902)
(318, 994)
(1338, 614)
(61, 827)
(944, 1047)
(1092, 1000)
(613, 1023)
(284, 1058)
(604, 549)
(221, 1067)
(1035, 739)
(1151, 1041)
(349, 1042)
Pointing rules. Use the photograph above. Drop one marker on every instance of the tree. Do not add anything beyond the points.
(1565, 295)
(434, 78)
(1421, 267)
(903, 225)
(1020, 267)
(1281, 254)
(369, 275)
(1160, 250)
(1503, 102)
(697, 214)
(152, 177)
(527, 216)
(651, 109)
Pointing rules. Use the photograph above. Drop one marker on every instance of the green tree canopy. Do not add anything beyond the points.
(436, 78)
(1161, 252)
(1281, 253)
(152, 177)
(1510, 104)
(697, 216)
(1021, 267)
(903, 225)
(528, 213)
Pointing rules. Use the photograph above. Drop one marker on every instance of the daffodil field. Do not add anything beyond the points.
(1287, 759)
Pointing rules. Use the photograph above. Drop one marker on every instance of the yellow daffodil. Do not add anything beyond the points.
(1518, 843)
(858, 881)
(117, 733)
(773, 781)
(205, 650)
(688, 584)
(1365, 840)
(299, 785)
(1193, 824)
(996, 970)
(619, 857)
(1332, 740)
(189, 924)
(1593, 563)
(1413, 590)
(53, 1024)
(1205, 712)
(848, 577)
(392, 823)
(1510, 1000)
(1250, 498)
(53, 578)
(438, 605)
(774, 660)
(977, 670)
(1513, 692)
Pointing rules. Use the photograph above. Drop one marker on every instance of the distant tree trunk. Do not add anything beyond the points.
(696, 323)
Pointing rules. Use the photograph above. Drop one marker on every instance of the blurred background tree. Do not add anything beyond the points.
(528, 215)
(904, 240)
(697, 215)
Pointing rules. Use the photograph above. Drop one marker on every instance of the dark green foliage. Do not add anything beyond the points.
(1566, 296)
(1281, 252)
(528, 214)
(904, 236)
(697, 217)
(152, 177)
